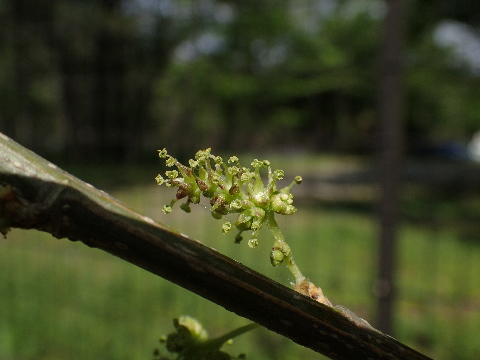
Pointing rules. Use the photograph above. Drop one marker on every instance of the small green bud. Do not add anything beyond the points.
(278, 174)
(233, 159)
(252, 243)
(298, 180)
(281, 204)
(167, 209)
(261, 198)
(196, 330)
(203, 155)
(162, 153)
(289, 210)
(244, 221)
(246, 175)
(256, 225)
(214, 177)
(226, 227)
(172, 174)
(216, 215)
(257, 163)
(233, 170)
(276, 257)
(236, 204)
(171, 161)
(159, 179)
(259, 213)
(194, 196)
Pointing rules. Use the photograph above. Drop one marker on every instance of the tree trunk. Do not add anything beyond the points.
(391, 127)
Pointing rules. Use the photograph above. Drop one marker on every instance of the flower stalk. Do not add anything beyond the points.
(234, 189)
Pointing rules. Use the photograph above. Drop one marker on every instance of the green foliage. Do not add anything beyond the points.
(295, 71)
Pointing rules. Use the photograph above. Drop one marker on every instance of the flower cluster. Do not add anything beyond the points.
(231, 188)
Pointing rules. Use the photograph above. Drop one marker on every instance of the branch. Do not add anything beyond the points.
(36, 194)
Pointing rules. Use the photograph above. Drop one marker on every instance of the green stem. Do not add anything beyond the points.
(217, 343)
(282, 245)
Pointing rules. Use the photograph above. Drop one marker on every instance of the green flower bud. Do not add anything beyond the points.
(289, 210)
(233, 170)
(167, 209)
(257, 163)
(276, 257)
(216, 215)
(203, 155)
(194, 196)
(244, 221)
(256, 225)
(162, 153)
(278, 174)
(258, 212)
(246, 175)
(171, 161)
(261, 198)
(159, 179)
(226, 227)
(236, 205)
(281, 204)
(252, 243)
(171, 174)
(195, 329)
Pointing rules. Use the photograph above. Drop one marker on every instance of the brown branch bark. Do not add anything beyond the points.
(35, 194)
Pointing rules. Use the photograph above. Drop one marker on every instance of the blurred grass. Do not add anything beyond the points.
(62, 300)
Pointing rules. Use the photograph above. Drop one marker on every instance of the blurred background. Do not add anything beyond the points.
(377, 107)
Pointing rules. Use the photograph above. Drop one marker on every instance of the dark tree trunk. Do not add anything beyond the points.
(391, 127)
